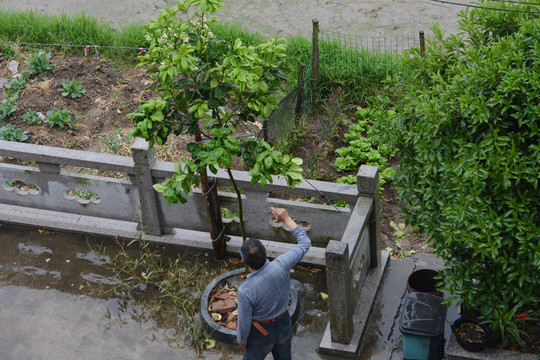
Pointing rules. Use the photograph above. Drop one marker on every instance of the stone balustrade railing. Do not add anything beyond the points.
(345, 240)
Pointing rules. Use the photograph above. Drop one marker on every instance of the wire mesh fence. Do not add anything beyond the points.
(362, 58)
(282, 121)
(360, 62)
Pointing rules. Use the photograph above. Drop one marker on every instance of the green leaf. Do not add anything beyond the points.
(159, 187)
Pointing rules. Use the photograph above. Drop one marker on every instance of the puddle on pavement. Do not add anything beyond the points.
(52, 288)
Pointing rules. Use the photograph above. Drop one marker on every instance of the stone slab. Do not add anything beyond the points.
(383, 336)
(13, 66)
(364, 305)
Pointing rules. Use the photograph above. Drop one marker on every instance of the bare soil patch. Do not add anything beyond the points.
(113, 91)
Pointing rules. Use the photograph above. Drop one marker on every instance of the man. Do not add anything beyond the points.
(264, 323)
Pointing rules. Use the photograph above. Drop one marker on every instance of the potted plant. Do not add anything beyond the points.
(471, 334)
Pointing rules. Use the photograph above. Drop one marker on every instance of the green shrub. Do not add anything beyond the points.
(73, 89)
(39, 63)
(11, 133)
(467, 132)
(57, 117)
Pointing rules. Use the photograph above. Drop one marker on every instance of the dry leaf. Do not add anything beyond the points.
(324, 296)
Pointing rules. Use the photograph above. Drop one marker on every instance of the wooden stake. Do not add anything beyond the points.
(422, 44)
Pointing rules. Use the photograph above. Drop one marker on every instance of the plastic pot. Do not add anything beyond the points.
(466, 343)
(423, 281)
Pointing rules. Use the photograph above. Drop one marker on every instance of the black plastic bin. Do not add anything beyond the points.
(422, 327)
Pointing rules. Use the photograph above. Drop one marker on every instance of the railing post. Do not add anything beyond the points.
(368, 185)
(143, 158)
(315, 65)
(340, 302)
(422, 44)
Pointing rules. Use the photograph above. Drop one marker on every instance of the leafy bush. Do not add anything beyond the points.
(11, 133)
(73, 89)
(6, 109)
(467, 131)
(39, 63)
(32, 117)
(57, 117)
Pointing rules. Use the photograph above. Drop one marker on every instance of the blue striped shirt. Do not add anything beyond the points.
(265, 293)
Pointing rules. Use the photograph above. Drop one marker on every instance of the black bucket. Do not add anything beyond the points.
(423, 281)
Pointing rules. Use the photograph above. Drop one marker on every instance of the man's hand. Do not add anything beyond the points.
(243, 346)
(281, 214)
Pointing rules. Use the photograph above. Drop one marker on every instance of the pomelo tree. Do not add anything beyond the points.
(207, 88)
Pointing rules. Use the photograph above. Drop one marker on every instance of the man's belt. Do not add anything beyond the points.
(258, 326)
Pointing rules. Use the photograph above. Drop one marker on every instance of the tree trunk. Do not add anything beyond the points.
(213, 212)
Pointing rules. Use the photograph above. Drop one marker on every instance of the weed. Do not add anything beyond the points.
(228, 214)
(73, 89)
(399, 234)
(57, 117)
(83, 194)
(399, 229)
(11, 133)
(123, 106)
(341, 203)
(39, 63)
(117, 144)
(178, 287)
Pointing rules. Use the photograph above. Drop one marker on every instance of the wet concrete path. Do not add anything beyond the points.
(52, 289)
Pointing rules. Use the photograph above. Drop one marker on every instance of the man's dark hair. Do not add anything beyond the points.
(253, 253)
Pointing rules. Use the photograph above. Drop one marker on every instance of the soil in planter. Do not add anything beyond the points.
(472, 333)
(23, 186)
